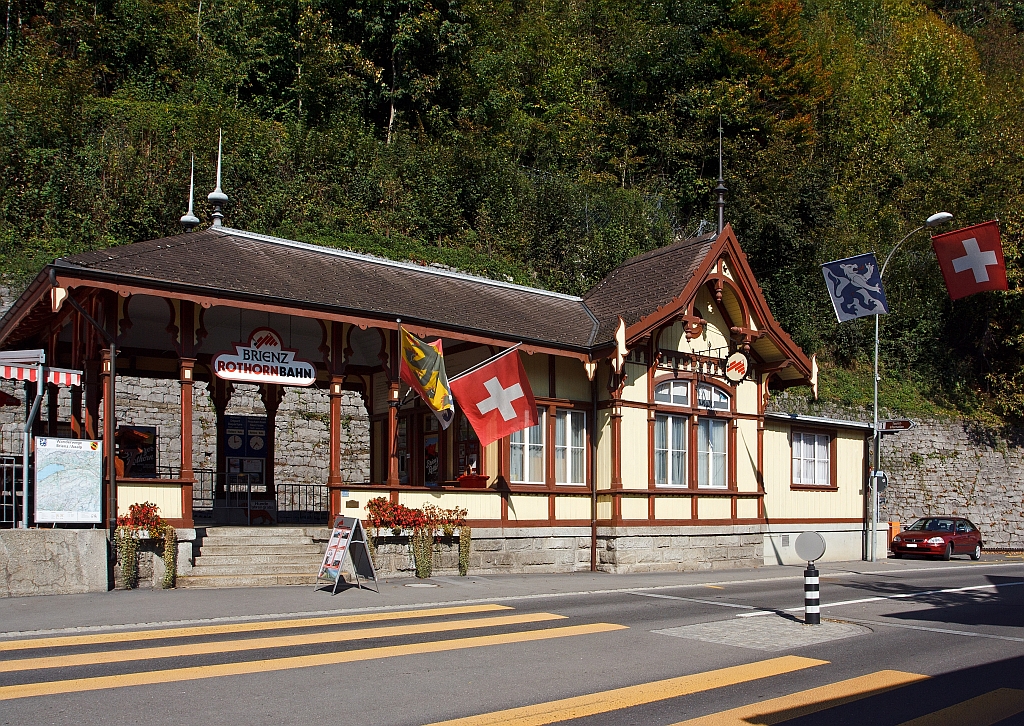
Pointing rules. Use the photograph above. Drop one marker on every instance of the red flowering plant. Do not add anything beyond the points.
(383, 514)
(146, 518)
(143, 517)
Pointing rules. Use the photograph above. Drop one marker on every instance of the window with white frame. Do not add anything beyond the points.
(670, 451)
(527, 454)
(711, 450)
(811, 463)
(673, 392)
(712, 398)
(570, 447)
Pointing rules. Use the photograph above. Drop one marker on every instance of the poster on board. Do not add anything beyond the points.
(347, 537)
(69, 481)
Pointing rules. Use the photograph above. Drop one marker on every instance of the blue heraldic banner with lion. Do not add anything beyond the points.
(855, 285)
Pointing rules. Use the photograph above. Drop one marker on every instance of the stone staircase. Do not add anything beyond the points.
(255, 557)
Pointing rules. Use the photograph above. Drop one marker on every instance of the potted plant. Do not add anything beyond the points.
(143, 522)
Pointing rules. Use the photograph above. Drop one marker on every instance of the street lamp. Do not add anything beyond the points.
(933, 221)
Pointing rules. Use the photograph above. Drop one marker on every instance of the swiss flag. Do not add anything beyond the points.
(496, 398)
(971, 259)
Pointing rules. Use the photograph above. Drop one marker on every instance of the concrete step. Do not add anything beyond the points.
(287, 568)
(311, 550)
(213, 581)
(254, 541)
(260, 531)
(258, 560)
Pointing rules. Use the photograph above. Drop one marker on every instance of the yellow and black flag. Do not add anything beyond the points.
(423, 370)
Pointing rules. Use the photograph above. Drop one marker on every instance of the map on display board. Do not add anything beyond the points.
(347, 537)
(69, 480)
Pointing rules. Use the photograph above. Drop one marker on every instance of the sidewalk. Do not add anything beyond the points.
(164, 607)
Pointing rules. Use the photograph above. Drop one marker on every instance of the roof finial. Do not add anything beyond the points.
(217, 197)
(190, 220)
(721, 188)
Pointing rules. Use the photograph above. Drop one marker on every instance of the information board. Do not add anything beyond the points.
(347, 537)
(69, 480)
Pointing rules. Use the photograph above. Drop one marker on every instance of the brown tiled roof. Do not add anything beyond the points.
(243, 264)
(642, 284)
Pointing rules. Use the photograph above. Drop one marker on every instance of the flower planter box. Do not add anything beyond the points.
(473, 481)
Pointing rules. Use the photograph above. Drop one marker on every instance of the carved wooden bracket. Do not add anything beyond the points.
(693, 326)
(744, 337)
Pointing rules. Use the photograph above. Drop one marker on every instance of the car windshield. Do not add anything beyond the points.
(932, 524)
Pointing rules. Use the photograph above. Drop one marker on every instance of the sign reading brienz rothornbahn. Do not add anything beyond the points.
(897, 424)
(263, 359)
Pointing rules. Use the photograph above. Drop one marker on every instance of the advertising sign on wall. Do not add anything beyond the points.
(69, 481)
(136, 447)
(264, 359)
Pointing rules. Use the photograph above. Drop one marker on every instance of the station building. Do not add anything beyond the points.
(654, 449)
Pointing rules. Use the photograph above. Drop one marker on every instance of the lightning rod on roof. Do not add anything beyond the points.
(190, 220)
(217, 197)
(721, 188)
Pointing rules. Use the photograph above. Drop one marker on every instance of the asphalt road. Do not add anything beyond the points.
(937, 642)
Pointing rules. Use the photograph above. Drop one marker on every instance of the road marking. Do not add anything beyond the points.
(630, 696)
(878, 598)
(694, 599)
(509, 598)
(716, 587)
(282, 641)
(173, 675)
(948, 631)
(131, 637)
(985, 710)
(784, 708)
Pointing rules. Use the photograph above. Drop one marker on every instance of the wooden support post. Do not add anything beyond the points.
(106, 375)
(77, 430)
(186, 370)
(392, 440)
(52, 408)
(334, 474)
(220, 396)
(271, 393)
(90, 424)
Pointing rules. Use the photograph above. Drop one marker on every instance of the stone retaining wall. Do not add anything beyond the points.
(944, 466)
(53, 561)
(679, 549)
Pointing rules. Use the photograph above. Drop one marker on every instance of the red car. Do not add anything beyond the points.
(941, 536)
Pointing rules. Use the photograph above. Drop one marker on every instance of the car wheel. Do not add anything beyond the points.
(976, 555)
(948, 553)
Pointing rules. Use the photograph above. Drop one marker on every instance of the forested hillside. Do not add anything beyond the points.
(545, 141)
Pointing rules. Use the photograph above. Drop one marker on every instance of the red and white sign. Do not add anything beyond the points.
(971, 259)
(496, 398)
(263, 359)
(736, 367)
(57, 376)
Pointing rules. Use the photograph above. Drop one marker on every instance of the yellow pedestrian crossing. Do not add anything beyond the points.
(284, 641)
(135, 636)
(785, 708)
(985, 710)
(620, 698)
(78, 685)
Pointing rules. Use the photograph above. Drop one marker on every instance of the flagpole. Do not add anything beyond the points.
(932, 221)
(481, 365)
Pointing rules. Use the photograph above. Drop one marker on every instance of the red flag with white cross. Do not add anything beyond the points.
(971, 259)
(496, 397)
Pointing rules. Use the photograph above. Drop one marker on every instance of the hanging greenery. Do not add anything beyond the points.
(143, 522)
(423, 552)
(465, 538)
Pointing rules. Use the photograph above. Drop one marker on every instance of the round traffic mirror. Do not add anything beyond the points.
(810, 546)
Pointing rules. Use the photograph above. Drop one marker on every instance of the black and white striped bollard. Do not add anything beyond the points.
(812, 605)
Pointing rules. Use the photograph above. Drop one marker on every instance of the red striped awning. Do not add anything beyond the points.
(63, 377)
(58, 376)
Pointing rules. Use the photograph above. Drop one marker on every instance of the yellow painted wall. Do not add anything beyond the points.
(746, 397)
(782, 502)
(522, 507)
(536, 366)
(604, 507)
(571, 380)
(746, 455)
(634, 507)
(672, 508)
(455, 363)
(491, 461)
(572, 507)
(377, 441)
(634, 448)
(746, 509)
(604, 450)
(636, 383)
(165, 496)
(714, 508)
(480, 505)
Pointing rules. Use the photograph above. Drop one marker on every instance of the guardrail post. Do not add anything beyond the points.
(812, 603)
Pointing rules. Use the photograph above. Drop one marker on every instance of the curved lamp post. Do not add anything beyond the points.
(933, 221)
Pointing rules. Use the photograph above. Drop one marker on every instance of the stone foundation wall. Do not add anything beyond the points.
(679, 549)
(944, 466)
(53, 561)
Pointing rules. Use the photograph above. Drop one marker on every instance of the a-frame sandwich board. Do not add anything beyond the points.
(347, 536)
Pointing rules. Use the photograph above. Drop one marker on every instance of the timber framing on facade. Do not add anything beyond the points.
(639, 424)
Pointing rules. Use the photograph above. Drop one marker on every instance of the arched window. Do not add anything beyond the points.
(712, 398)
(673, 392)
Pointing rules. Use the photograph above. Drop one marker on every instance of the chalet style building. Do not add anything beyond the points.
(653, 449)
